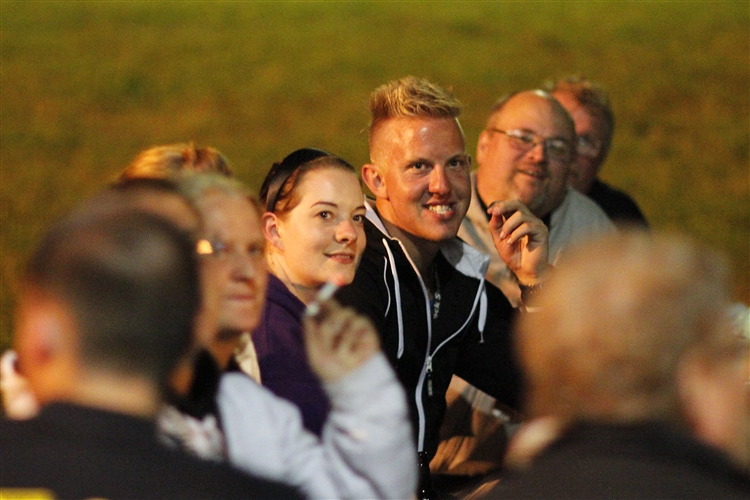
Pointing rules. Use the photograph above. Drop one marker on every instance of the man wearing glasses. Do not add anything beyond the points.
(525, 153)
(589, 107)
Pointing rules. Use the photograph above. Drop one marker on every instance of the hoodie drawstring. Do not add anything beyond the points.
(397, 291)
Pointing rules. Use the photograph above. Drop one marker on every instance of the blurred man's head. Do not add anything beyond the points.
(160, 196)
(633, 329)
(418, 170)
(525, 152)
(594, 121)
(109, 295)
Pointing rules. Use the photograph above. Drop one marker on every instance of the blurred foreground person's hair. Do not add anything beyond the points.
(633, 352)
(106, 311)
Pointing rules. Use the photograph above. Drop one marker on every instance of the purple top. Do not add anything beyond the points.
(284, 368)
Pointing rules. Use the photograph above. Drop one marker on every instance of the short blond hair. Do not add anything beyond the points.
(173, 159)
(615, 323)
(411, 96)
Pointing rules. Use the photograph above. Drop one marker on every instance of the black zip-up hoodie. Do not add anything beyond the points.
(470, 337)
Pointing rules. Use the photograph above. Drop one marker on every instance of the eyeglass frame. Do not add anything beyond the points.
(588, 146)
(519, 141)
(222, 252)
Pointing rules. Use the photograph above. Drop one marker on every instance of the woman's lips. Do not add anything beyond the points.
(342, 258)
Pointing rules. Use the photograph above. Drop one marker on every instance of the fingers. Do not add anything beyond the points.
(326, 293)
(512, 220)
(338, 340)
(499, 207)
(521, 239)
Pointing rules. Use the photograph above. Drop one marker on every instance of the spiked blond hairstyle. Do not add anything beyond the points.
(411, 96)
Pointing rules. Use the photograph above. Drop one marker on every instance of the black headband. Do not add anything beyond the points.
(280, 172)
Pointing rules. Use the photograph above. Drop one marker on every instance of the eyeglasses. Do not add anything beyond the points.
(223, 252)
(588, 146)
(557, 149)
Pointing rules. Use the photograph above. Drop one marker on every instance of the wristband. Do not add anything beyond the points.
(529, 291)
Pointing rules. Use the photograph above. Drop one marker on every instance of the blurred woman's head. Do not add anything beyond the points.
(232, 249)
(314, 221)
(174, 159)
(173, 164)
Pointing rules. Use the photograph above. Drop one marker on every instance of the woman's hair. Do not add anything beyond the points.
(173, 159)
(196, 186)
(278, 193)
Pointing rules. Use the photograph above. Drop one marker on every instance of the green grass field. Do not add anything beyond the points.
(85, 85)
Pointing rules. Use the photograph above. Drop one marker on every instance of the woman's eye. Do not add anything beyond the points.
(324, 215)
(219, 248)
(359, 218)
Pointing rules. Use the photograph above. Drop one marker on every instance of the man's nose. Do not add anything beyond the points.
(538, 152)
(439, 180)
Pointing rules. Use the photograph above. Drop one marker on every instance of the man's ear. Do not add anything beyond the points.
(700, 398)
(42, 335)
(374, 180)
(39, 335)
(47, 346)
(713, 396)
(272, 230)
(483, 146)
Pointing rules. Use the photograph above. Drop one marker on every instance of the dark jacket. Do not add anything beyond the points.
(639, 461)
(470, 336)
(618, 205)
(78, 452)
(282, 358)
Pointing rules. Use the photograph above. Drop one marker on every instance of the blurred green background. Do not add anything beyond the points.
(86, 85)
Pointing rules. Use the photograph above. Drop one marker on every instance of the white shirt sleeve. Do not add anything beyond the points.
(367, 449)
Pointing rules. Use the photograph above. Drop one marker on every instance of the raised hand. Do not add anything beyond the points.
(521, 239)
(338, 340)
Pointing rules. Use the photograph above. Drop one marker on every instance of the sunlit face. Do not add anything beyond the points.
(533, 177)
(590, 128)
(236, 270)
(423, 186)
(322, 238)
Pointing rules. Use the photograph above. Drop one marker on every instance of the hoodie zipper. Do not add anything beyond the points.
(426, 374)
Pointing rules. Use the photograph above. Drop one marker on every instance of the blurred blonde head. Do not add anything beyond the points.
(173, 159)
